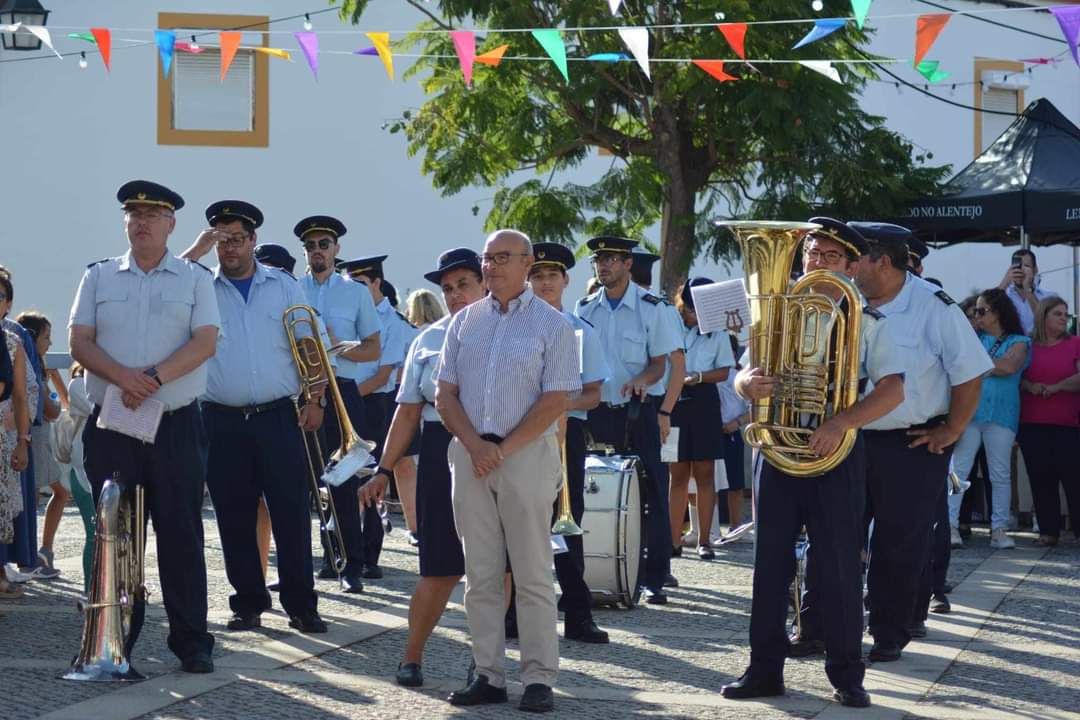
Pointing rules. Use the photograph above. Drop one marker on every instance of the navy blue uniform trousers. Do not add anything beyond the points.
(172, 472)
(252, 456)
(831, 507)
(363, 534)
(608, 425)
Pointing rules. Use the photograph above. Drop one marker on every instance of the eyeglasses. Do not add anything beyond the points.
(500, 258)
(234, 240)
(604, 258)
(146, 216)
(979, 312)
(321, 244)
(828, 256)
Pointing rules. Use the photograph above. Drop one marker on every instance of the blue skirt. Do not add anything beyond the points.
(440, 548)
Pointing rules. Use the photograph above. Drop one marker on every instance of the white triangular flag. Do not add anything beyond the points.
(43, 35)
(614, 4)
(824, 67)
(10, 28)
(637, 40)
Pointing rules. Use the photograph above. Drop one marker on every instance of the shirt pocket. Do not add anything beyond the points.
(526, 356)
(342, 326)
(634, 352)
(276, 329)
(112, 308)
(176, 307)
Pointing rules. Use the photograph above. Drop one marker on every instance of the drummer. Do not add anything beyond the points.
(442, 563)
(708, 361)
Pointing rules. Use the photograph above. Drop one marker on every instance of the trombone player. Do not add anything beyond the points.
(254, 423)
(830, 505)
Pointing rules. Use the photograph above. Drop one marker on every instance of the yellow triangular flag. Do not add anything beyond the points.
(381, 41)
(275, 52)
(492, 57)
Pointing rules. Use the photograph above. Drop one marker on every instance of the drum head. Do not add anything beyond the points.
(634, 533)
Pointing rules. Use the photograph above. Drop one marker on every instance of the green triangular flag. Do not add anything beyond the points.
(861, 8)
(83, 36)
(929, 70)
(552, 42)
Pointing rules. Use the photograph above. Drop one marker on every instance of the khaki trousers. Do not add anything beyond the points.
(509, 510)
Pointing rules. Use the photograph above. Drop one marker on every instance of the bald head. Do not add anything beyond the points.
(506, 261)
(509, 239)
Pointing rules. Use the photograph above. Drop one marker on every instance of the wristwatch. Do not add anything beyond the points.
(27, 438)
(152, 372)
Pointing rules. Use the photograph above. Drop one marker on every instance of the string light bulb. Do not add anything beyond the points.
(194, 44)
(719, 16)
(307, 21)
(817, 5)
(82, 60)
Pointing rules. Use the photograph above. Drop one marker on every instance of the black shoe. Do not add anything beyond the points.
(409, 675)
(241, 621)
(352, 584)
(371, 572)
(327, 572)
(479, 692)
(199, 663)
(537, 699)
(309, 623)
(753, 686)
(965, 531)
(857, 698)
(940, 604)
(799, 647)
(676, 551)
(917, 630)
(705, 552)
(671, 581)
(884, 652)
(654, 598)
(586, 632)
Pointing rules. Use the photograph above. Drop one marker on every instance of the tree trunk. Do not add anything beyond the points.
(675, 157)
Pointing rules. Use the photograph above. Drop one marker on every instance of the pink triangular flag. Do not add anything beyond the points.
(309, 43)
(927, 29)
(465, 45)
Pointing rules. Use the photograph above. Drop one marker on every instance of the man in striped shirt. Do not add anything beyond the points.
(509, 365)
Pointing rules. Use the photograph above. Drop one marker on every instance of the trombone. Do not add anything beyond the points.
(564, 523)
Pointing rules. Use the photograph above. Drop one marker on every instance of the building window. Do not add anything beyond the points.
(195, 107)
(999, 87)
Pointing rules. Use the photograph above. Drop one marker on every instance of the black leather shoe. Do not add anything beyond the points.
(654, 598)
(804, 647)
(352, 584)
(537, 699)
(940, 604)
(240, 621)
(917, 630)
(371, 572)
(857, 698)
(479, 692)
(884, 652)
(586, 632)
(753, 686)
(309, 623)
(409, 675)
(327, 573)
(671, 581)
(705, 553)
(199, 663)
(676, 552)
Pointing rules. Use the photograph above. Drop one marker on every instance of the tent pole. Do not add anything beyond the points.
(1025, 243)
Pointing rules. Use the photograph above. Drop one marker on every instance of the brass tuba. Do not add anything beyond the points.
(802, 337)
(116, 586)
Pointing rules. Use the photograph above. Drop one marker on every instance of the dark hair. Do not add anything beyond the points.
(969, 302)
(34, 322)
(641, 275)
(5, 282)
(735, 348)
(895, 251)
(999, 302)
(249, 227)
(1024, 251)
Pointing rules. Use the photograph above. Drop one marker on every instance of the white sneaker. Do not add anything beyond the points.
(954, 538)
(1000, 539)
(15, 575)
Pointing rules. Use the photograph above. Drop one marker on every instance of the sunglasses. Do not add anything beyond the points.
(321, 244)
(979, 312)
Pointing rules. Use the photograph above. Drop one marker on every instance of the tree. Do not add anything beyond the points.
(781, 142)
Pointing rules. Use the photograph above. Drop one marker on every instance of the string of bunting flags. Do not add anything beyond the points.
(928, 27)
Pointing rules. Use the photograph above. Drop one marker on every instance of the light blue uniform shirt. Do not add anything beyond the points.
(632, 333)
(594, 367)
(706, 352)
(140, 319)
(392, 346)
(937, 348)
(347, 310)
(253, 363)
(659, 390)
(999, 401)
(418, 379)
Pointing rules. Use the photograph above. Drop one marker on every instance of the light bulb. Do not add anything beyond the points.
(194, 44)
(817, 5)
(719, 16)
(307, 21)
(899, 89)
(82, 61)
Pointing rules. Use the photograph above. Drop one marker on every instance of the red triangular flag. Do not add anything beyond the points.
(103, 38)
(492, 57)
(927, 29)
(735, 34)
(715, 68)
(230, 41)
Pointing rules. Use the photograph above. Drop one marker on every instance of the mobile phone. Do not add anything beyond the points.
(1017, 263)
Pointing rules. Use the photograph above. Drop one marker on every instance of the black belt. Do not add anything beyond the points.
(249, 410)
(492, 438)
(931, 423)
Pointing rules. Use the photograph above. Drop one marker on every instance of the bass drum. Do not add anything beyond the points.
(614, 522)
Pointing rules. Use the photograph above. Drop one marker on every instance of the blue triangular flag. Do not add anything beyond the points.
(821, 29)
(608, 57)
(166, 42)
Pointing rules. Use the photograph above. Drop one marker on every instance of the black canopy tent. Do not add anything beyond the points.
(1024, 188)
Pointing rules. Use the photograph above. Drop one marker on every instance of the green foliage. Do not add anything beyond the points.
(782, 142)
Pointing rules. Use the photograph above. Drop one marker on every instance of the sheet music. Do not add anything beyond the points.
(721, 306)
(669, 451)
(141, 423)
(558, 545)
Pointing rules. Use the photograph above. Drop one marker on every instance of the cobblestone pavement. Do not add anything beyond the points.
(1011, 648)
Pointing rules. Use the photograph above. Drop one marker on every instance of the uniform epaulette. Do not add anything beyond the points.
(405, 319)
(196, 262)
(873, 312)
(283, 271)
(651, 299)
(589, 298)
(944, 297)
(585, 321)
(97, 262)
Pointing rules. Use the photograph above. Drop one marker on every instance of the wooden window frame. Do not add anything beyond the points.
(259, 135)
(983, 65)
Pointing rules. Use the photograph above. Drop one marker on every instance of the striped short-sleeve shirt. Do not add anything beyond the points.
(502, 362)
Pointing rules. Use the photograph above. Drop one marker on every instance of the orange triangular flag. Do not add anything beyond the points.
(715, 68)
(492, 57)
(927, 29)
(230, 41)
(735, 34)
(103, 38)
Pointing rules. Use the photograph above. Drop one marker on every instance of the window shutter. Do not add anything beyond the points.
(202, 101)
(998, 100)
